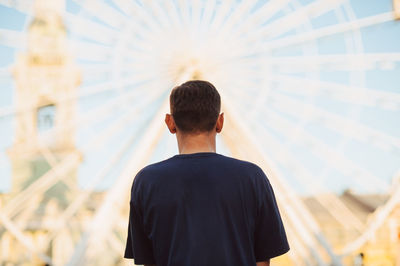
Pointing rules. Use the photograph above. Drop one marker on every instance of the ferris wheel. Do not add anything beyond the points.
(297, 85)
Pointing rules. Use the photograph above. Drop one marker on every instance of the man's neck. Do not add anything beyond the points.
(194, 143)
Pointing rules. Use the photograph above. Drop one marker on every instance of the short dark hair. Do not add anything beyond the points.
(195, 106)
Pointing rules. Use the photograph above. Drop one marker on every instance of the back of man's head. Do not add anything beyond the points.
(195, 106)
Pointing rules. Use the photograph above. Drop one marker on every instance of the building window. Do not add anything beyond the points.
(46, 117)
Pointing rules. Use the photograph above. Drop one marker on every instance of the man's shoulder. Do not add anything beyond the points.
(247, 170)
(241, 163)
(154, 167)
(171, 165)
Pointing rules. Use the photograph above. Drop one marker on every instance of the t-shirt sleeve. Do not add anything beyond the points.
(138, 245)
(270, 236)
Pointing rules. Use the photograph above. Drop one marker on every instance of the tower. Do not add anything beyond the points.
(45, 98)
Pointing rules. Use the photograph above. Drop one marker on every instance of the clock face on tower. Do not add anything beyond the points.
(46, 117)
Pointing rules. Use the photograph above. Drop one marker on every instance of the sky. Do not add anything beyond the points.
(381, 76)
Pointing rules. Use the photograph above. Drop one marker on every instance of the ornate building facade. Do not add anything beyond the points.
(46, 81)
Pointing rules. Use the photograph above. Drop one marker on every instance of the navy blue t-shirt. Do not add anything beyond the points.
(203, 209)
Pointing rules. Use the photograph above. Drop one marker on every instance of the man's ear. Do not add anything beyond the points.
(220, 123)
(169, 121)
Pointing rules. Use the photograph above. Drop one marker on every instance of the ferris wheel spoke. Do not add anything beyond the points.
(301, 249)
(184, 12)
(12, 38)
(28, 213)
(5, 72)
(221, 12)
(97, 178)
(341, 92)
(103, 12)
(296, 233)
(140, 49)
(155, 94)
(327, 199)
(260, 16)
(298, 251)
(319, 148)
(134, 9)
(23, 239)
(376, 221)
(197, 7)
(171, 11)
(117, 195)
(22, 221)
(158, 13)
(208, 12)
(305, 236)
(124, 6)
(99, 54)
(140, 14)
(293, 207)
(260, 48)
(293, 20)
(113, 105)
(94, 71)
(149, 8)
(239, 14)
(349, 62)
(343, 126)
(88, 29)
(57, 172)
(24, 6)
(325, 152)
(115, 243)
(330, 201)
(87, 91)
(134, 28)
(91, 51)
(330, 30)
(7, 111)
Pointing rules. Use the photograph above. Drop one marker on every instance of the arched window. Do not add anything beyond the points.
(46, 117)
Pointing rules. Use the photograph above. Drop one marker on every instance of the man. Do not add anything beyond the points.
(200, 208)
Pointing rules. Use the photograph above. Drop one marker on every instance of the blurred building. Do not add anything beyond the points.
(381, 248)
(46, 81)
(45, 99)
